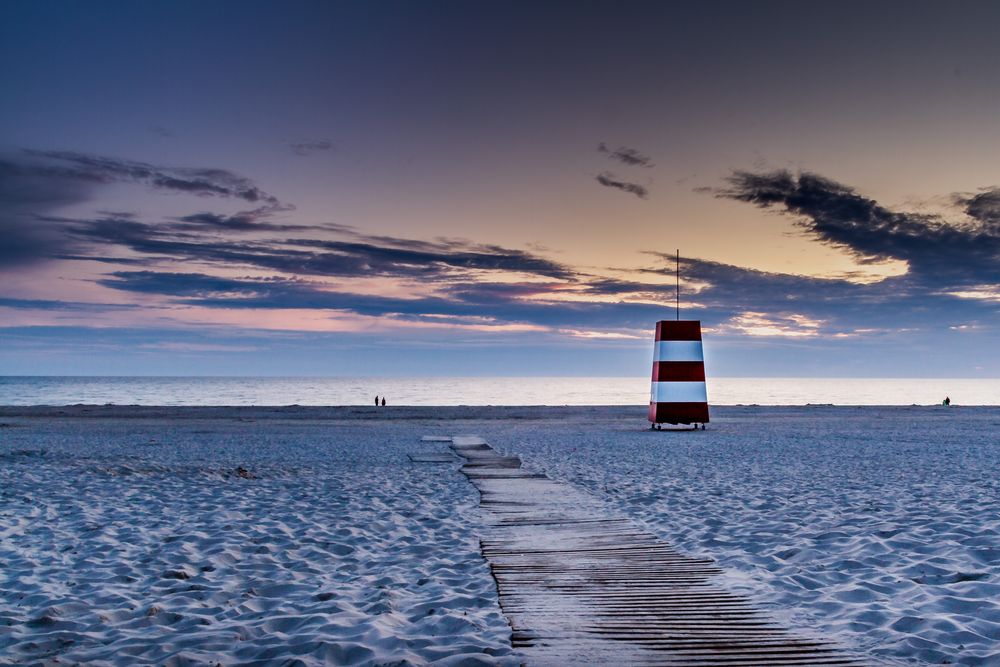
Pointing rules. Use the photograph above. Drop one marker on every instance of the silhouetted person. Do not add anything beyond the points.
(376, 400)
(946, 401)
(383, 401)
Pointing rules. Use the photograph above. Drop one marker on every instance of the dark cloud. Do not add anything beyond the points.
(306, 148)
(395, 254)
(609, 180)
(27, 192)
(38, 183)
(196, 181)
(938, 251)
(255, 220)
(199, 237)
(239, 222)
(983, 207)
(56, 304)
(627, 156)
(182, 284)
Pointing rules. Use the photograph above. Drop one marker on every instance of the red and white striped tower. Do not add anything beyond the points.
(678, 394)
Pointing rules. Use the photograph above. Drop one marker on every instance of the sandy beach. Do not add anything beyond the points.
(192, 536)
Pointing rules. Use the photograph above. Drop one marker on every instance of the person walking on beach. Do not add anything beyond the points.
(946, 401)
(383, 401)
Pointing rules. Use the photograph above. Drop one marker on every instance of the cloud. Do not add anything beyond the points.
(194, 237)
(750, 323)
(732, 298)
(56, 304)
(306, 148)
(463, 278)
(195, 348)
(463, 305)
(937, 251)
(609, 180)
(27, 192)
(254, 220)
(326, 267)
(983, 207)
(30, 193)
(395, 255)
(36, 184)
(192, 180)
(627, 156)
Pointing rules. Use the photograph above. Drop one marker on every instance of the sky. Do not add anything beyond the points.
(498, 188)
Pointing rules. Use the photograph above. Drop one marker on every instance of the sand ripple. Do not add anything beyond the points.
(141, 542)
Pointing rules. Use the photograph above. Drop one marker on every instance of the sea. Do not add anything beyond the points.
(51, 390)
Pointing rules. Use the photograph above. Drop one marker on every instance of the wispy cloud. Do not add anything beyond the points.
(192, 180)
(627, 156)
(609, 180)
(310, 146)
(57, 304)
(196, 348)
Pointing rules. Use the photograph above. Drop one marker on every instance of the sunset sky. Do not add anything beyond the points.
(319, 188)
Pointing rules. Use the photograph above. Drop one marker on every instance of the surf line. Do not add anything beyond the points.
(581, 584)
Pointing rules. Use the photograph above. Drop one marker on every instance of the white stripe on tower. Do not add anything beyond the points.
(678, 350)
(679, 392)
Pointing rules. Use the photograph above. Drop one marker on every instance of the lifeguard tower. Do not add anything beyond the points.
(678, 394)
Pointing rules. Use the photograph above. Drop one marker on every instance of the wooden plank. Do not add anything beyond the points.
(581, 584)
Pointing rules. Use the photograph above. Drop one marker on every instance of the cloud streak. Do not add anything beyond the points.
(609, 180)
(205, 182)
(307, 148)
(627, 156)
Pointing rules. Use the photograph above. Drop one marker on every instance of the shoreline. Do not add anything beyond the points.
(446, 412)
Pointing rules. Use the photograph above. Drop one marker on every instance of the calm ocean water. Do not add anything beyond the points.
(19, 390)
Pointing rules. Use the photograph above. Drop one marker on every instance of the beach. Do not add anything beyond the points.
(307, 535)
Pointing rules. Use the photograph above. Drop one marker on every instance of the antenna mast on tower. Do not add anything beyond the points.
(678, 280)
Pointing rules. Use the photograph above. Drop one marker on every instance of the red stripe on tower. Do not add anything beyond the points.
(678, 394)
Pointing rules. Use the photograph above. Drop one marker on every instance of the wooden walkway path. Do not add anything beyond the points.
(581, 585)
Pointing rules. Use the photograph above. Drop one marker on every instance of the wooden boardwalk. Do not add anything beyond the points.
(581, 585)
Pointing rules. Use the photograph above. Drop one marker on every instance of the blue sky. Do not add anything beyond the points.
(316, 188)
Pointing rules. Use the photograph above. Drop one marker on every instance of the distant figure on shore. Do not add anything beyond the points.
(376, 400)
(946, 401)
(383, 401)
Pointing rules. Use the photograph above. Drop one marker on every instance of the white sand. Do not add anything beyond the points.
(135, 542)
(127, 536)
